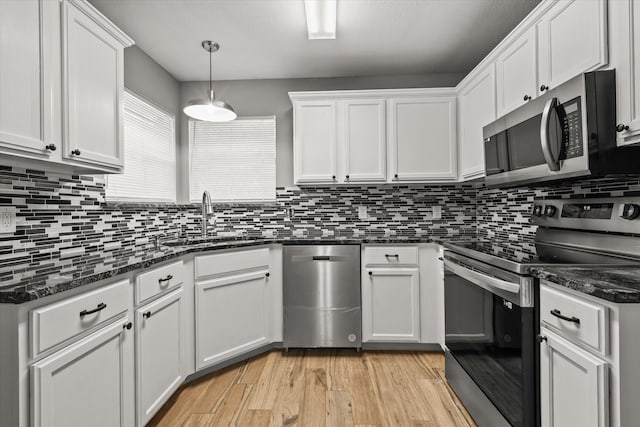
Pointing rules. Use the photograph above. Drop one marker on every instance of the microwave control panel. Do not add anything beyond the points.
(570, 116)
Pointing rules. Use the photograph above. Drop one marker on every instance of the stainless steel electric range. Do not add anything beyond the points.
(491, 322)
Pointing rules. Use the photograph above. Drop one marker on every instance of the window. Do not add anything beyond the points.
(235, 161)
(149, 155)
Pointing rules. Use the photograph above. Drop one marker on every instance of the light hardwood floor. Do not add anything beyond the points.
(332, 388)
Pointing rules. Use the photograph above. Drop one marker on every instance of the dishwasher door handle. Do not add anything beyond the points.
(321, 258)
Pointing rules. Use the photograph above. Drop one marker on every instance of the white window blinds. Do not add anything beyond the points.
(235, 161)
(149, 154)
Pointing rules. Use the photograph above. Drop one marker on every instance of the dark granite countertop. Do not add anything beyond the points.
(30, 289)
(619, 284)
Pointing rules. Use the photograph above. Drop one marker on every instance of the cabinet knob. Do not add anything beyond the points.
(621, 127)
(346, 177)
(75, 152)
(146, 314)
(127, 326)
(541, 338)
(371, 273)
(51, 147)
(267, 274)
(527, 97)
(395, 176)
(543, 88)
(333, 177)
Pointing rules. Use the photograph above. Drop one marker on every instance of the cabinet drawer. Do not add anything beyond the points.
(56, 323)
(386, 255)
(158, 280)
(229, 262)
(579, 320)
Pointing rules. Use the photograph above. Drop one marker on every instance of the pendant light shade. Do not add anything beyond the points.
(210, 109)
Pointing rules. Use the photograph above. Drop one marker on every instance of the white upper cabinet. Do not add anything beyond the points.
(62, 82)
(93, 76)
(476, 108)
(314, 147)
(422, 138)
(572, 39)
(29, 78)
(624, 42)
(363, 140)
(516, 73)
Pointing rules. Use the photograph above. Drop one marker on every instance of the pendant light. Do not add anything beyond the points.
(210, 109)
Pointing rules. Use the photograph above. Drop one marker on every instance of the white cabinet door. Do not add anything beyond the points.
(29, 86)
(573, 385)
(363, 140)
(624, 42)
(93, 74)
(516, 73)
(232, 316)
(572, 39)
(422, 138)
(86, 384)
(476, 109)
(314, 144)
(391, 305)
(158, 353)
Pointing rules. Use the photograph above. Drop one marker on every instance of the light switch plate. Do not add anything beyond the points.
(7, 219)
(437, 212)
(362, 212)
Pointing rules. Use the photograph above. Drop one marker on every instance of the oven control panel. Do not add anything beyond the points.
(614, 214)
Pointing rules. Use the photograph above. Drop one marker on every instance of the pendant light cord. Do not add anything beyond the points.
(211, 94)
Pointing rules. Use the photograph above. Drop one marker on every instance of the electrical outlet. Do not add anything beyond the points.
(437, 212)
(362, 212)
(7, 219)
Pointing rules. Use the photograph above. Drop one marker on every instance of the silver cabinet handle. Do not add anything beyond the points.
(549, 157)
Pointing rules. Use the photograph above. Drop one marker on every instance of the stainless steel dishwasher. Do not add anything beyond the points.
(322, 296)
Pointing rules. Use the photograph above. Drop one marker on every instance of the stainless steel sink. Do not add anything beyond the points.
(197, 240)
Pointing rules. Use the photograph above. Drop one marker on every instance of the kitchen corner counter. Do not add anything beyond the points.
(22, 291)
(620, 284)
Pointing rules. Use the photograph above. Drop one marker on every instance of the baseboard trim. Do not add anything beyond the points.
(237, 359)
(402, 346)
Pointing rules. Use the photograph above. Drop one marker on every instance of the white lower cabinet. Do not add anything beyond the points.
(573, 385)
(87, 383)
(391, 304)
(159, 344)
(233, 313)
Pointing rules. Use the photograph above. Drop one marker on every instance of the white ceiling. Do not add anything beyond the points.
(263, 39)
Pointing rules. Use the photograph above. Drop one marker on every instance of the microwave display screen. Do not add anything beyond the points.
(589, 211)
(571, 108)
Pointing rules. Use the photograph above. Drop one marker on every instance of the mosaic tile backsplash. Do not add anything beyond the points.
(65, 226)
(503, 214)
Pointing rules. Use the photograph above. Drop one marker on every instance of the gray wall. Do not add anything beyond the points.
(145, 77)
(270, 97)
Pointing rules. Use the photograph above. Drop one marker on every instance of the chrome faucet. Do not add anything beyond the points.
(207, 211)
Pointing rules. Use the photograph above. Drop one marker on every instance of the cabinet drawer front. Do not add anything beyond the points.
(56, 323)
(578, 320)
(211, 265)
(386, 255)
(158, 280)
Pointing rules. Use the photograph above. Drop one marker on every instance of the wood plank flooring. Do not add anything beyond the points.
(321, 388)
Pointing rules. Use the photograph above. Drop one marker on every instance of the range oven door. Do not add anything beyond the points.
(490, 333)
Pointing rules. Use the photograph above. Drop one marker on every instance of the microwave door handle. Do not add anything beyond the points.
(484, 281)
(545, 141)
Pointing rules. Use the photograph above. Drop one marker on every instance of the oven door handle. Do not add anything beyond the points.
(483, 280)
(552, 161)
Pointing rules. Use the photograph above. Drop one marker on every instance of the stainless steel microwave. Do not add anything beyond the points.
(569, 132)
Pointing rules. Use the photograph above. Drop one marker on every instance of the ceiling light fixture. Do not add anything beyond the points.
(210, 109)
(321, 18)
